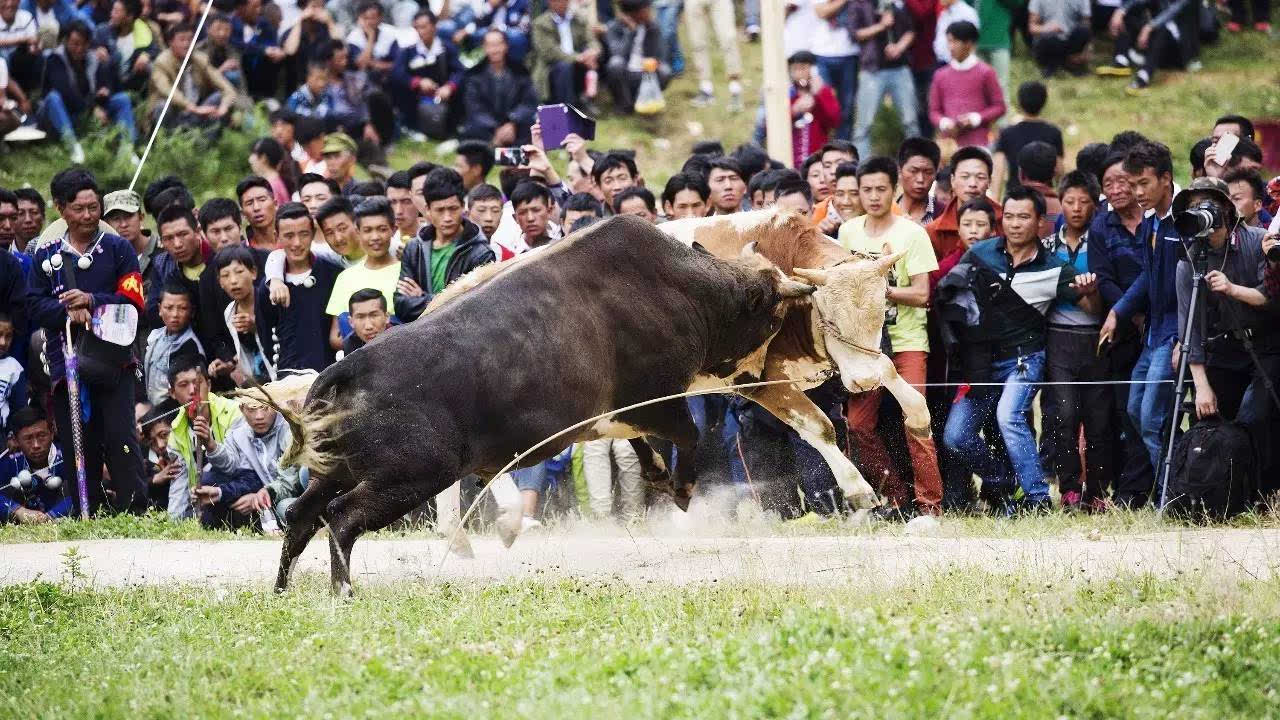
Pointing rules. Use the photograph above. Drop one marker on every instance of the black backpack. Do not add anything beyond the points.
(1214, 471)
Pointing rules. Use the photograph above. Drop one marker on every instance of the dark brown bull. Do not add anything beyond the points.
(611, 316)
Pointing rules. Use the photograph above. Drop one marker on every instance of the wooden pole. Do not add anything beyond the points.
(776, 85)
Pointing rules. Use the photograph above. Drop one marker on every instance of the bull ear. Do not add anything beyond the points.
(792, 289)
(748, 250)
(697, 247)
(816, 276)
(886, 263)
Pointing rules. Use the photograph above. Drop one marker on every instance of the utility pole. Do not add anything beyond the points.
(776, 85)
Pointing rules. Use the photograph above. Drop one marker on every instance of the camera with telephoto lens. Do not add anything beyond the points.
(1199, 220)
(1273, 255)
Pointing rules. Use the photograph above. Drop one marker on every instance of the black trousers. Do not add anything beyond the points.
(110, 437)
(1051, 51)
(1162, 49)
(1072, 357)
(1243, 397)
(567, 80)
(1136, 478)
(1261, 11)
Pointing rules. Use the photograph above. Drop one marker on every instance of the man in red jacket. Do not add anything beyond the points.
(966, 97)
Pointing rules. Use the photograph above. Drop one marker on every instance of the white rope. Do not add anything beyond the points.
(1047, 382)
(177, 79)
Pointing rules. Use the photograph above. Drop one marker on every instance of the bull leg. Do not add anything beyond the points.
(670, 421)
(367, 508)
(796, 410)
(303, 520)
(915, 410)
(652, 467)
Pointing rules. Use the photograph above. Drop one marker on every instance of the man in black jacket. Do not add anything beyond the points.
(499, 97)
(77, 82)
(446, 249)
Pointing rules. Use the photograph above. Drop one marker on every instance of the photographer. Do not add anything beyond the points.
(1228, 374)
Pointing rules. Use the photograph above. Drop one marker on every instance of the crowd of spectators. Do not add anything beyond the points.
(1015, 272)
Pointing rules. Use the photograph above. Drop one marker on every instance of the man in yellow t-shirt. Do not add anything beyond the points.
(908, 297)
(378, 270)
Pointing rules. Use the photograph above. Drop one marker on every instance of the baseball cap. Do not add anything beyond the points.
(1210, 186)
(122, 200)
(337, 142)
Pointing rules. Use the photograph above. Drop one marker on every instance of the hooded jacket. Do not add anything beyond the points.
(472, 251)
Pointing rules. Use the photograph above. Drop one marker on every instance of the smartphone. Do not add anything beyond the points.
(1226, 145)
(509, 156)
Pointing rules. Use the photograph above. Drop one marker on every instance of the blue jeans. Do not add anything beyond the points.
(751, 13)
(841, 73)
(1012, 406)
(668, 19)
(1149, 404)
(873, 85)
(704, 409)
(53, 113)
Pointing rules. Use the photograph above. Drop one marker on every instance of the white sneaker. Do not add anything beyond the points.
(527, 523)
(134, 159)
(77, 154)
(414, 136)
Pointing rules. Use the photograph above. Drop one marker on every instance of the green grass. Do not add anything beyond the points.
(1240, 75)
(964, 644)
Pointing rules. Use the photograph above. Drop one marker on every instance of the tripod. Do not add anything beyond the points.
(1199, 256)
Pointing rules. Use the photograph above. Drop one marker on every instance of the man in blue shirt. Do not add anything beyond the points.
(1001, 290)
(83, 270)
(1153, 294)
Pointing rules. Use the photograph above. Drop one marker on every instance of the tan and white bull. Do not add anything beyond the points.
(838, 329)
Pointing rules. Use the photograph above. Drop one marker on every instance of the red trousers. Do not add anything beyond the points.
(866, 444)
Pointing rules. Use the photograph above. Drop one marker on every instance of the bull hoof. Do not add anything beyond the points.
(460, 546)
(682, 498)
(509, 523)
(864, 501)
(343, 591)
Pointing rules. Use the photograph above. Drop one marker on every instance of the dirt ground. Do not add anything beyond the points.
(1232, 554)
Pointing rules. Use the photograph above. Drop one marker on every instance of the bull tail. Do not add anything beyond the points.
(311, 424)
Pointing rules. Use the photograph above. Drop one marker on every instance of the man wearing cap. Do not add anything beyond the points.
(122, 210)
(1228, 383)
(340, 160)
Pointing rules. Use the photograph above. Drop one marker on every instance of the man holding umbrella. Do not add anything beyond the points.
(84, 271)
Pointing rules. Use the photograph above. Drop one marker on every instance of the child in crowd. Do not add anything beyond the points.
(32, 477)
(485, 208)
(368, 316)
(13, 382)
(977, 222)
(254, 357)
(174, 338)
(165, 472)
(256, 441)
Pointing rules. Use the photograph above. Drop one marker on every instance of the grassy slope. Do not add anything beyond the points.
(963, 644)
(1240, 75)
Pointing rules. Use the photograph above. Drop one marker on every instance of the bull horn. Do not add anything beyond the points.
(886, 263)
(792, 289)
(816, 276)
(748, 250)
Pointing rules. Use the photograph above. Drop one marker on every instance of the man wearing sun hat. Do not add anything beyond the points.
(340, 160)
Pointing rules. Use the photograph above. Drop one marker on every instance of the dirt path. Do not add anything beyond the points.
(1230, 554)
